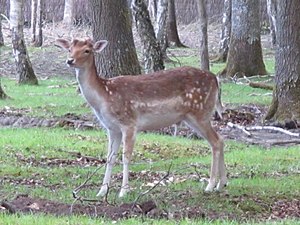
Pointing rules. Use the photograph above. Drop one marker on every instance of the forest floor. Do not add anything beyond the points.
(49, 61)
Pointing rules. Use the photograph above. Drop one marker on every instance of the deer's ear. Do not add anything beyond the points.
(65, 44)
(100, 45)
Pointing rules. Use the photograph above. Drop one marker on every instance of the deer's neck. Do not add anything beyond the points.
(92, 86)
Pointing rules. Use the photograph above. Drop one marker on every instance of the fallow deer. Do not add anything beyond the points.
(128, 104)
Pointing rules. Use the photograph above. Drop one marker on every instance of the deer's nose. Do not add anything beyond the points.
(70, 61)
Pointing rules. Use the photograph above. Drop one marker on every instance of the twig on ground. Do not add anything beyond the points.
(150, 189)
(265, 94)
(79, 188)
(239, 127)
(79, 155)
(201, 179)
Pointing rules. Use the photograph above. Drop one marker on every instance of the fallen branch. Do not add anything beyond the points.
(278, 129)
(9, 207)
(255, 128)
(239, 127)
(265, 94)
(284, 142)
(261, 85)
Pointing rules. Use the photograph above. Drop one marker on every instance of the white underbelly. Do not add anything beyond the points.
(157, 121)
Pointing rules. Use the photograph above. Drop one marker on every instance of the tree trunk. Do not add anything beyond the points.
(1, 34)
(39, 36)
(285, 106)
(272, 10)
(172, 35)
(245, 52)
(161, 25)
(2, 93)
(152, 8)
(225, 33)
(68, 12)
(23, 65)
(152, 56)
(33, 19)
(119, 57)
(204, 58)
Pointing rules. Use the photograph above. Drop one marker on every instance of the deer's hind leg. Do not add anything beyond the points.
(204, 128)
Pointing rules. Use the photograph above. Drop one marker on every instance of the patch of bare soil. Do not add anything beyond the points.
(279, 209)
(26, 204)
(80, 160)
(11, 117)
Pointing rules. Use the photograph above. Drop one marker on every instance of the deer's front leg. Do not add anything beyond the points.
(217, 165)
(113, 147)
(222, 172)
(128, 144)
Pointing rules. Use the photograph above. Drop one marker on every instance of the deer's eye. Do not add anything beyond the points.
(87, 51)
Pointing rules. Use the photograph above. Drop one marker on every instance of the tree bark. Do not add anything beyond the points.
(204, 58)
(33, 19)
(39, 37)
(172, 34)
(285, 105)
(119, 57)
(23, 65)
(152, 8)
(272, 11)
(1, 34)
(2, 93)
(68, 12)
(245, 52)
(152, 56)
(161, 25)
(225, 33)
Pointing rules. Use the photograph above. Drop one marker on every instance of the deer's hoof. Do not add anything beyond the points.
(124, 191)
(103, 191)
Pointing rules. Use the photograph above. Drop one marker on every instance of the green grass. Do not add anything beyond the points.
(250, 174)
(74, 220)
(257, 176)
(52, 97)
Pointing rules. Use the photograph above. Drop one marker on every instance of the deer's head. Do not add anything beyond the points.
(81, 52)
